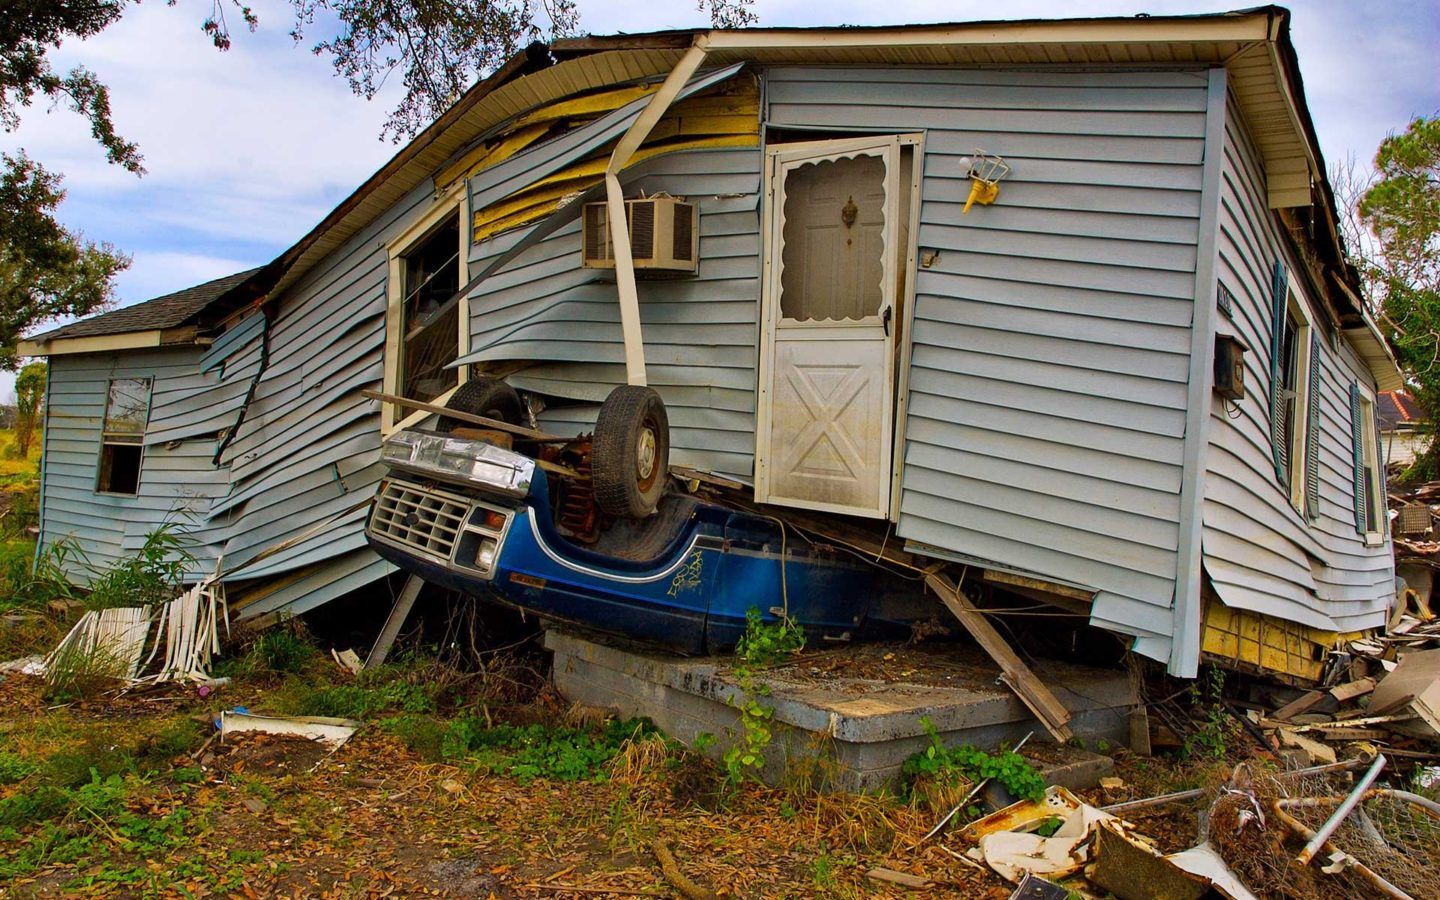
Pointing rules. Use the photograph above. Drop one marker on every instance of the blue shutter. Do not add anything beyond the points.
(1357, 436)
(1312, 432)
(1279, 440)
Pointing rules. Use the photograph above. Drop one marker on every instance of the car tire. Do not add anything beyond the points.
(483, 396)
(631, 452)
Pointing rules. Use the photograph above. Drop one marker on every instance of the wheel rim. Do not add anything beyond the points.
(645, 453)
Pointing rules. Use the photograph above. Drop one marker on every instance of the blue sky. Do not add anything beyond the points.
(247, 150)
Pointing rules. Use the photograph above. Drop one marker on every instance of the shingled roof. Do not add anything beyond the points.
(168, 311)
(1396, 408)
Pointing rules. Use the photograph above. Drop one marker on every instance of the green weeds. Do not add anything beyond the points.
(949, 765)
(537, 751)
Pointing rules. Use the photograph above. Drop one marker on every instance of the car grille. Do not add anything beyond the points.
(422, 519)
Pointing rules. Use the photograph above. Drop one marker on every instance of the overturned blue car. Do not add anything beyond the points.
(533, 531)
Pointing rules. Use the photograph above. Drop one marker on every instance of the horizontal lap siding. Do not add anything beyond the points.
(1259, 552)
(1050, 355)
(309, 448)
(543, 309)
(177, 480)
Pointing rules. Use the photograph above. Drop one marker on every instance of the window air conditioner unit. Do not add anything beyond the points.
(664, 235)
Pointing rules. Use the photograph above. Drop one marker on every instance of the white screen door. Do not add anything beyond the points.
(826, 419)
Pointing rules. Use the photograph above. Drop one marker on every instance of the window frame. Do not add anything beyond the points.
(108, 438)
(1298, 436)
(1377, 511)
(456, 203)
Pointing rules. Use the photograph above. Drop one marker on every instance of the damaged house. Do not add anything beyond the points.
(1060, 302)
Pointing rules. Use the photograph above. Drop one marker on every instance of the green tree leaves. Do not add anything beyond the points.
(46, 271)
(1402, 210)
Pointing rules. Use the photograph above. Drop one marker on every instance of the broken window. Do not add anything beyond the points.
(429, 324)
(127, 410)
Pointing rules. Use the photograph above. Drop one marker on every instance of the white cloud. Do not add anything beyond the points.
(247, 150)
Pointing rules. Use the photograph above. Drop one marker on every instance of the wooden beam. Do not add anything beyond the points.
(482, 421)
(398, 614)
(1031, 690)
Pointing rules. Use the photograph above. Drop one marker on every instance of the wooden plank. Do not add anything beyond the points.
(1031, 690)
(1299, 705)
(1350, 691)
(482, 421)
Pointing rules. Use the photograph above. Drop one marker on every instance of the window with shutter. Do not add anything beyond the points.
(1293, 421)
(1369, 476)
(1312, 433)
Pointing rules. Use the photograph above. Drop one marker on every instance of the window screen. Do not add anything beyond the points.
(834, 244)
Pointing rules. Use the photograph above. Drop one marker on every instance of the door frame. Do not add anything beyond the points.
(902, 265)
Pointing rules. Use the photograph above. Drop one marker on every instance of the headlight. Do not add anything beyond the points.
(485, 554)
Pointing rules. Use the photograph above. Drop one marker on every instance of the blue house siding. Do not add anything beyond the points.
(1260, 553)
(177, 482)
(1051, 335)
(700, 332)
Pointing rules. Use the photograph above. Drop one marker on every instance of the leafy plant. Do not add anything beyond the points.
(281, 650)
(766, 644)
(763, 644)
(13, 768)
(1212, 737)
(1006, 767)
(151, 575)
(536, 751)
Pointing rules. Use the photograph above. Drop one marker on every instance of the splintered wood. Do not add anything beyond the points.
(1018, 676)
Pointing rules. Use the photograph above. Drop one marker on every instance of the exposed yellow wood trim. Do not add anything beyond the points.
(546, 195)
(589, 105)
(486, 155)
(1247, 640)
(100, 343)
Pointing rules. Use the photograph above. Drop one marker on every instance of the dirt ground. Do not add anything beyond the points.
(275, 817)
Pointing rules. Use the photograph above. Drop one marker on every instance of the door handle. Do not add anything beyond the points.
(885, 318)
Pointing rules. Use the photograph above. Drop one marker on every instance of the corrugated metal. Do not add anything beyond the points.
(1051, 336)
(1261, 554)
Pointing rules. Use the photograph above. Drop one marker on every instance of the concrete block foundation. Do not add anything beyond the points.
(848, 718)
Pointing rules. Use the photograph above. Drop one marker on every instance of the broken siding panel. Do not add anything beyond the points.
(234, 340)
(545, 310)
(1051, 334)
(337, 577)
(306, 451)
(177, 483)
(1259, 552)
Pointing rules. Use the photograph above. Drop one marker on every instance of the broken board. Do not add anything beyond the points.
(1018, 676)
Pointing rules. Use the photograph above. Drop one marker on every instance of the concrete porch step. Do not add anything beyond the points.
(855, 711)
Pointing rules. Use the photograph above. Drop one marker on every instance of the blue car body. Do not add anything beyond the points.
(683, 579)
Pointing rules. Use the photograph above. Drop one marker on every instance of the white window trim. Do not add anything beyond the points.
(1300, 435)
(456, 202)
(1368, 444)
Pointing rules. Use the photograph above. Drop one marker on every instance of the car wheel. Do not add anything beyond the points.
(631, 455)
(483, 396)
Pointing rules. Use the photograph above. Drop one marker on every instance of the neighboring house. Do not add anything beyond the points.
(1026, 387)
(1402, 432)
